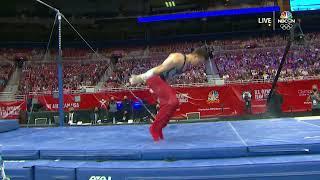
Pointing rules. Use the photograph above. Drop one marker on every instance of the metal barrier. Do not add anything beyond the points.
(97, 90)
(9, 96)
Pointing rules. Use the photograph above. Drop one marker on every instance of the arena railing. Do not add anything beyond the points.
(117, 89)
(9, 96)
(230, 48)
(113, 89)
(69, 60)
(208, 84)
(271, 80)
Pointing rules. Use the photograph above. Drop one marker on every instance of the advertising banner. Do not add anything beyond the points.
(11, 110)
(209, 101)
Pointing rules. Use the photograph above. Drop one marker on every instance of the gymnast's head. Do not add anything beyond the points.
(198, 56)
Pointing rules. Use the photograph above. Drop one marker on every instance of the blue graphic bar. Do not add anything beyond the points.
(204, 14)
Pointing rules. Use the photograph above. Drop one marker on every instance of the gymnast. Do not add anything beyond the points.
(156, 77)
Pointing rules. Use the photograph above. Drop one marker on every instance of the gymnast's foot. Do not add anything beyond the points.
(161, 134)
(154, 134)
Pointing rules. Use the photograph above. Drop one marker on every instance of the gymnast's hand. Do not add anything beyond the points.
(135, 79)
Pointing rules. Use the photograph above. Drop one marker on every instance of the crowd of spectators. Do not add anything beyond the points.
(263, 63)
(236, 59)
(256, 42)
(185, 47)
(42, 77)
(252, 59)
(125, 67)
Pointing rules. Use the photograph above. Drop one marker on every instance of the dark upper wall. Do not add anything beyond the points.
(123, 28)
(114, 8)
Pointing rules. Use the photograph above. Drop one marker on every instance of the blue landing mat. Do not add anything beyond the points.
(314, 122)
(22, 170)
(183, 141)
(279, 136)
(125, 142)
(270, 167)
(8, 125)
(285, 167)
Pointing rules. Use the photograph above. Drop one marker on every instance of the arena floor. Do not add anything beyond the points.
(264, 149)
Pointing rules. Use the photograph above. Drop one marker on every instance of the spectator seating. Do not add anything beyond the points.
(236, 59)
(39, 77)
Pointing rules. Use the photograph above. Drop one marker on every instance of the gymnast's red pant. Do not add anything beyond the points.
(168, 105)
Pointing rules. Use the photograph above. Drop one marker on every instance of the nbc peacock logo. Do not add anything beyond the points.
(286, 15)
(286, 20)
(213, 97)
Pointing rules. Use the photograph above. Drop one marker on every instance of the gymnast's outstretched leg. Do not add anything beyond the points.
(168, 105)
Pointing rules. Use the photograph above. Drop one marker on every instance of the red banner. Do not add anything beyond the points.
(90, 101)
(11, 110)
(295, 94)
(209, 101)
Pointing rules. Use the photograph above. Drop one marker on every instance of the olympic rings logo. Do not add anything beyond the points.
(286, 26)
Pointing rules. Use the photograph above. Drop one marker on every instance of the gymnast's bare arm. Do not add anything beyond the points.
(173, 60)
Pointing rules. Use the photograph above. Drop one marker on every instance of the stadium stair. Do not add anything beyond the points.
(12, 87)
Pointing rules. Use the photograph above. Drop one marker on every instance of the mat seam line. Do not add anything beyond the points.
(309, 123)
(236, 132)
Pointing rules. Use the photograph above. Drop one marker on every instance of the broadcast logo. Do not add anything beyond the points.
(213, 97)
(100, 178)
(286, 20)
